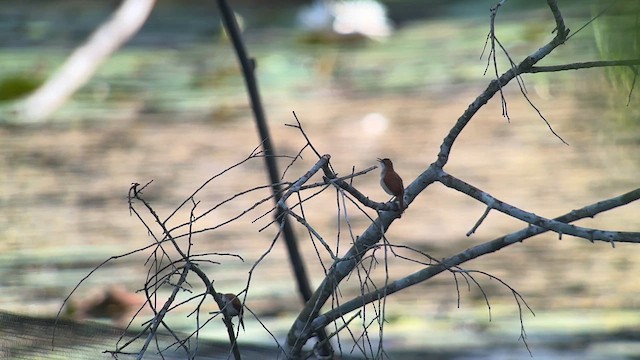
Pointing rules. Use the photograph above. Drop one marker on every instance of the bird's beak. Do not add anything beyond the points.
(379, 160)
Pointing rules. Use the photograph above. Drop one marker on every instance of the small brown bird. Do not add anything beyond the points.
(391, 182)
(232, 306)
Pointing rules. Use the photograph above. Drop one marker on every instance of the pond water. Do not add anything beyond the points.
(172, 109)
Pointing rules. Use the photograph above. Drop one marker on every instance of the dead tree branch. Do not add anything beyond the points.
(469, 254)
(310, 319)
(84, 61)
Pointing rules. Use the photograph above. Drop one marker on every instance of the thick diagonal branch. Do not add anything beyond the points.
(470, 254)
(497, 84)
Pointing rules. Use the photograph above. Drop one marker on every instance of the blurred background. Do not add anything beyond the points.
(171, 107)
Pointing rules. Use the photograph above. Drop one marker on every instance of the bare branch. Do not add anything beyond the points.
(497, 84)
(323, 161)
(583, 65)
(159, 318)
(314, 233)
(304, 134)
(477, 224)
(593, 19)
(84, 61)
(492, 38)
(331, 178)
(561, 30)
(633, 83)
(533, 219)
(470, 254)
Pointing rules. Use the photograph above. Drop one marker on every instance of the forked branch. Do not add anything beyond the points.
(470, 254)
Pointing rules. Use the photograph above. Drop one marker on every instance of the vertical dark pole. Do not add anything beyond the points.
(248, 67)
